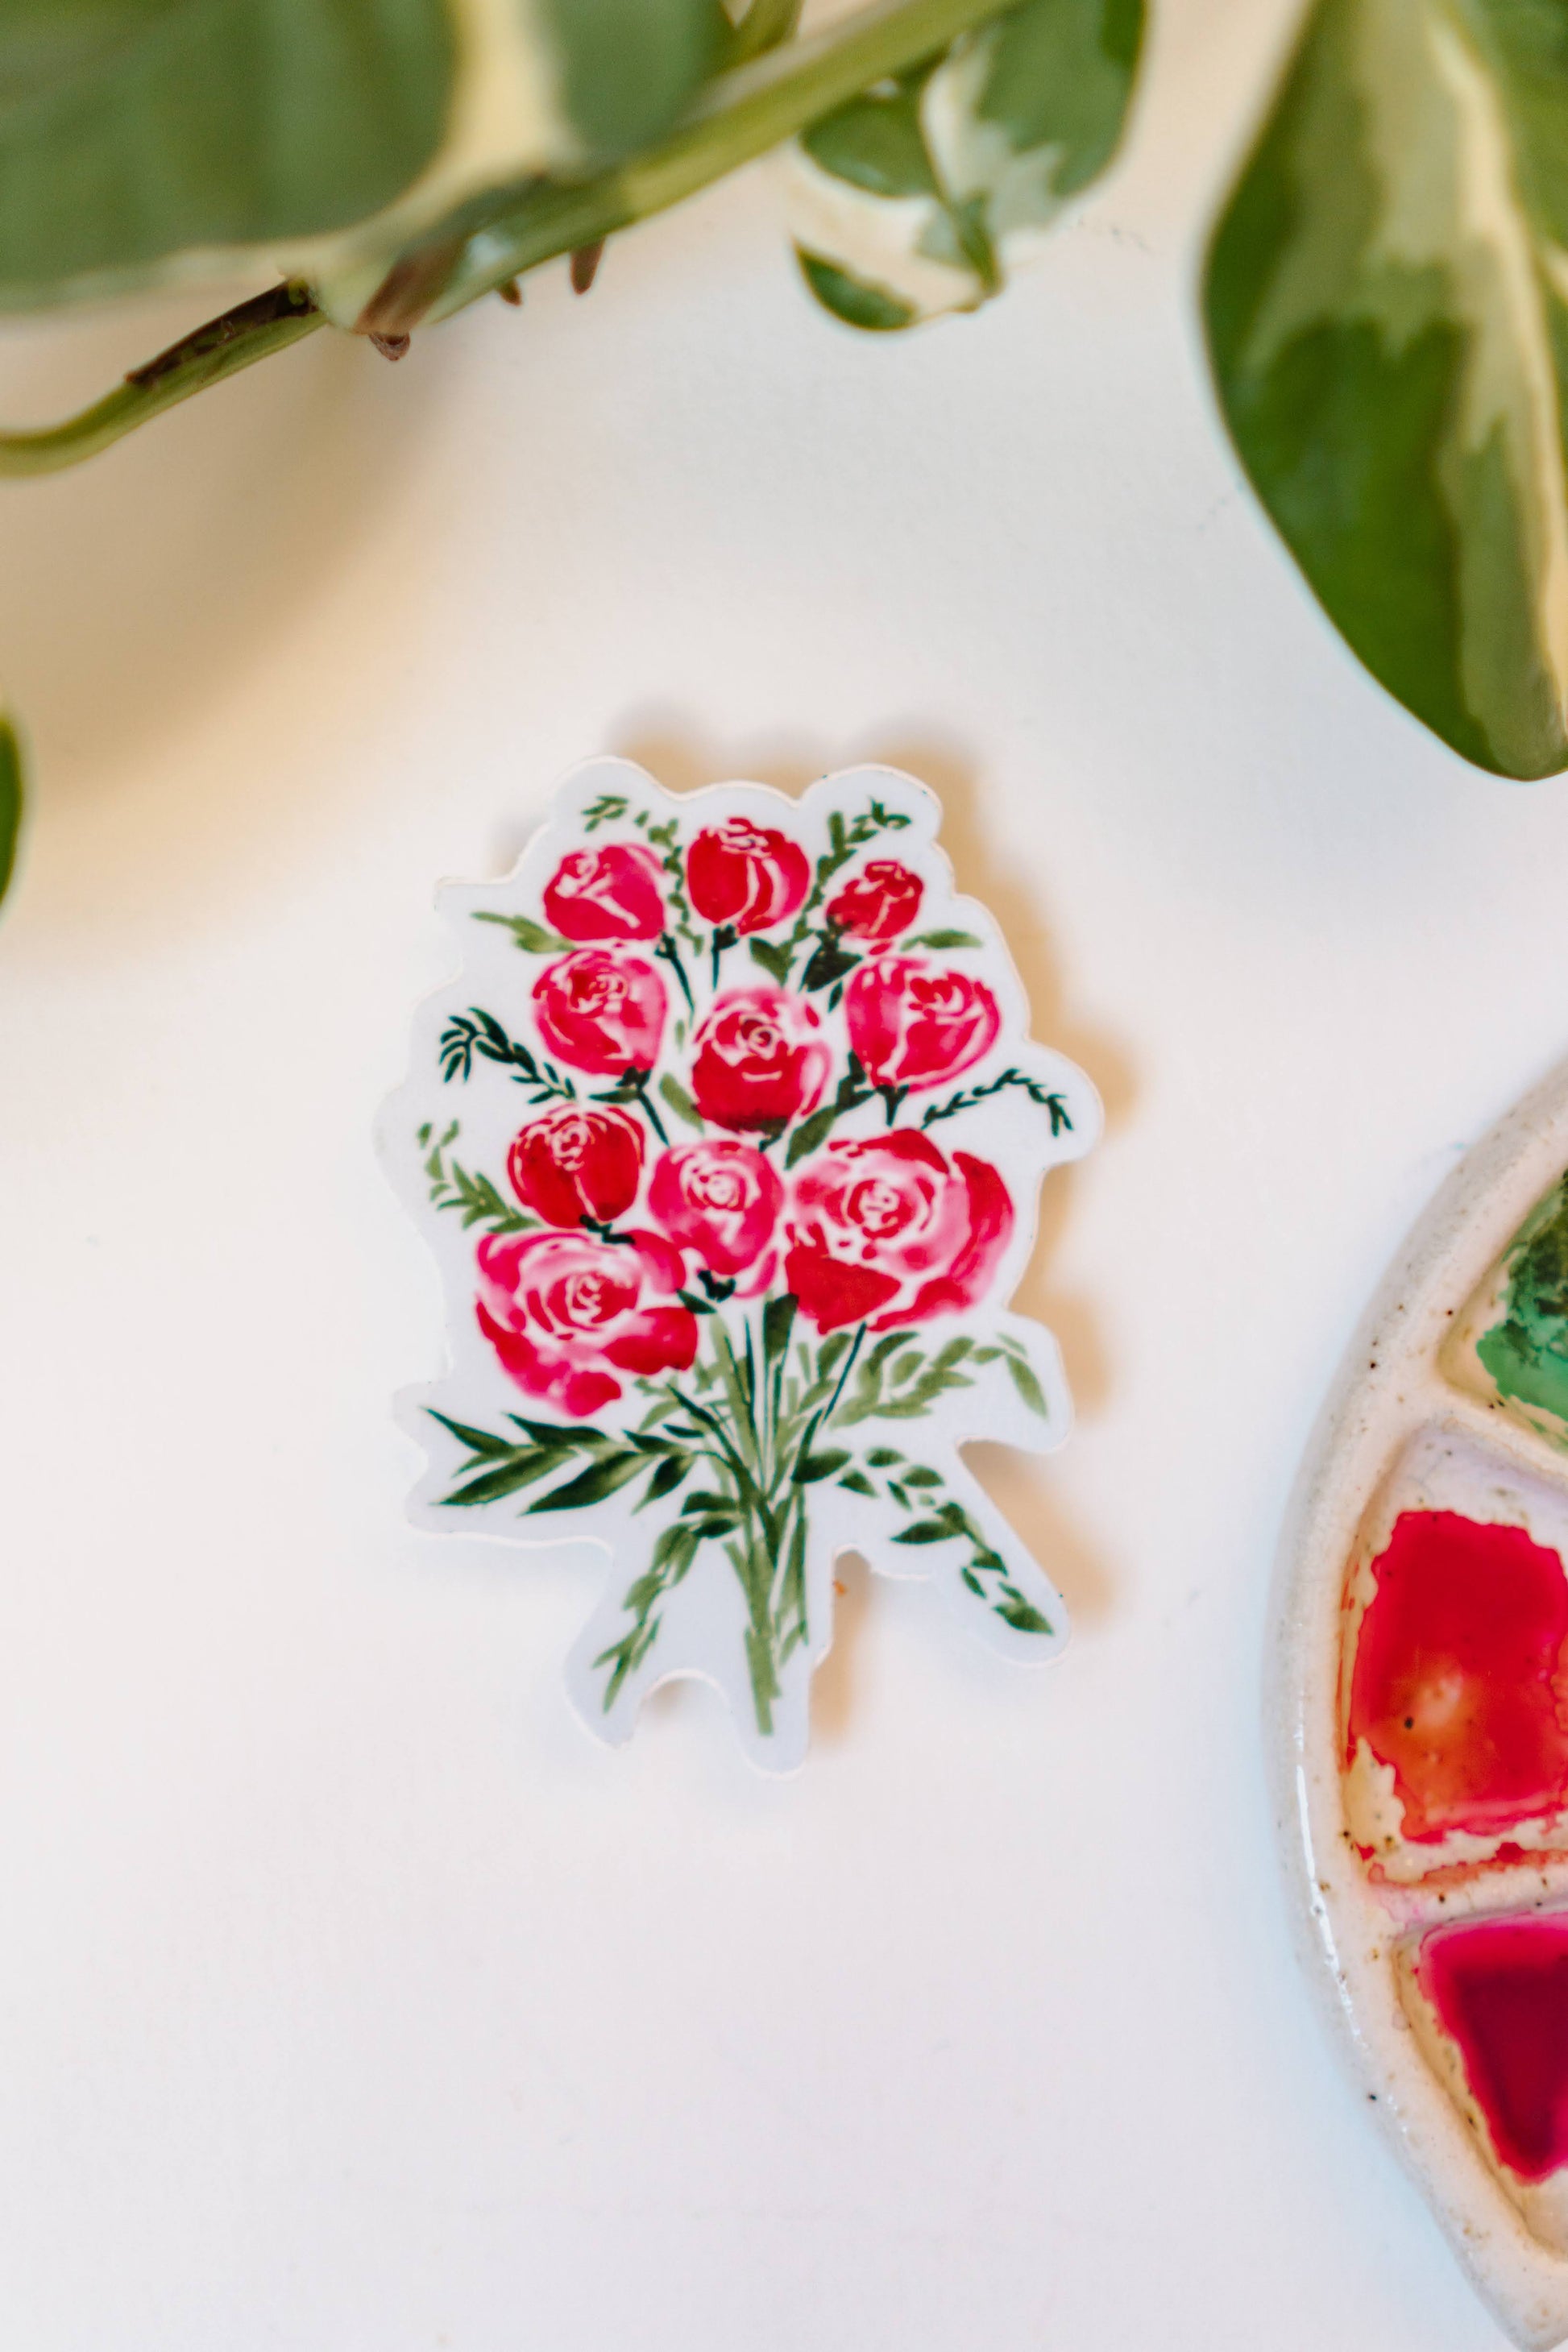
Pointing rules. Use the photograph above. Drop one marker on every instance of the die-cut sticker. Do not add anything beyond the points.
(728, 1138)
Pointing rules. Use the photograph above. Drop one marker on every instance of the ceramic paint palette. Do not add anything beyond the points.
(1420, 1711)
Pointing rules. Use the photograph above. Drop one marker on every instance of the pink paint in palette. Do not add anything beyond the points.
(1456, 1733)
(1456, 1764)
(1489, 1999)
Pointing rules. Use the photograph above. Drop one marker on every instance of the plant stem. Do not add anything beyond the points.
(745, 1422)
(844, 1370)
(823, 1417)
(250, 331)
(672, 954)
(741, 116)
(745, 1484)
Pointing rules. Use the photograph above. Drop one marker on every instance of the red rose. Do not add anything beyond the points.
(720, 1200)
(602, 1012)
(610, 893)
(759, 1057)
(559, 1308)
(746, 875)
(580, 1161)
(882, 900)
(891, 1229)
(915, 1024)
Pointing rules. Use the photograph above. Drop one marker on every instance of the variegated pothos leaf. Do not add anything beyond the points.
(10, 801)
(1387, 311)
(142, 141)
(920, 195)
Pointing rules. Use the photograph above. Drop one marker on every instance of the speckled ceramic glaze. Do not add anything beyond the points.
(1418, 1713)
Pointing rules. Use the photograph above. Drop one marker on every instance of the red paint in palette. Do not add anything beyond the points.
(1499, 1990)
(1460, 1681)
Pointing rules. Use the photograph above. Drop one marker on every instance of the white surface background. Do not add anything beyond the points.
(352, 1998)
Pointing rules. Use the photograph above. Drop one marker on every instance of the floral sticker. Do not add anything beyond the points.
(728, 1139)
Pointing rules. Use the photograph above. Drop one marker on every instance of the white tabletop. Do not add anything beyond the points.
(353, 1998)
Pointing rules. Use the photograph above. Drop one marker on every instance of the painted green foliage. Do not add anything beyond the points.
(1386, 304)
(917, 197)
(1527, 1351)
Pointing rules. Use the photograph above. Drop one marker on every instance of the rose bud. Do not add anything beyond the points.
(601, 1012)
(567, 1312)
(609, 893)
(881, 901)
(915, 1024)
(746, 875)
(758, 1059)
(582, 1161)
(720, 1200)
(890, 1229)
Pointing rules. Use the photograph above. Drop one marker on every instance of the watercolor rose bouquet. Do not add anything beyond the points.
(732, 1134)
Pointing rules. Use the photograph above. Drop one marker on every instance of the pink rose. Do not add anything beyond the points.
(720, 1200)
(559, 1309)
(601, 1012)
(759, 1058)
(915, 1024)
(609, 893)
(580, 1161)
(746, 875)
(892, 1230)
(882, 900)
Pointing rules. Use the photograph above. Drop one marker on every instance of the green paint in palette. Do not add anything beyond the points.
(1525, 1352)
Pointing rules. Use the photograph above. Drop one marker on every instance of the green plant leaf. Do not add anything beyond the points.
(524, 1466)
(778, 1322)
(629, 67)
(133, 129)
(1021, 1615)
(10, 802)
(810, 1133)
(473, 1195)
(919, 197)
(667, 1477)
(828, 963)
(850, 299)
(478, 1441)
(945, 939)
(592, 1486)
(531, 938)
(1028, 1387)
(774, 957)
(820, 1465)
(1387, 311)
(680, 1101)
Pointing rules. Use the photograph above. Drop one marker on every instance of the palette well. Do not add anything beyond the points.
(1419, 1712)
(1488, 2000)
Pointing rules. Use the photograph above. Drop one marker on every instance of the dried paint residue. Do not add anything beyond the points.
(1499, 1989)
(1460, 1682)
(1525, 1352)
